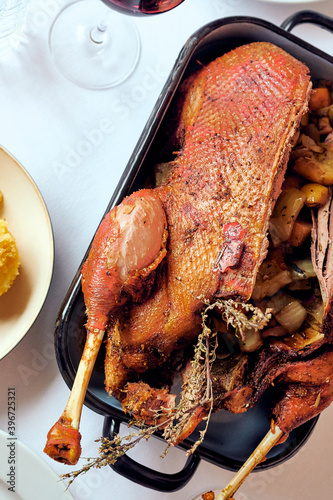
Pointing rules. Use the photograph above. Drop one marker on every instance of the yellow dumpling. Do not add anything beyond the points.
(9, 258)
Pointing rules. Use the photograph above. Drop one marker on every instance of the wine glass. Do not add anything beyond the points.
(97, 48)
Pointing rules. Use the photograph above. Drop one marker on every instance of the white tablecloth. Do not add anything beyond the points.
(75, 143)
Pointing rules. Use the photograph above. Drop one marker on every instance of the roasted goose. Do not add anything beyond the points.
(238, 118)
(201, 235)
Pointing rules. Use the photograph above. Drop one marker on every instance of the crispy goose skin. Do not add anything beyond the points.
(128, 246)
(239, 116)
(147, 403)
(306, 390)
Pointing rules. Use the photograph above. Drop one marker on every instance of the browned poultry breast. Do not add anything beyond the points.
(239, 117)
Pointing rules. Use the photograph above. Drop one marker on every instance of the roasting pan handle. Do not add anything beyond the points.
(308, 16)
(140, 474)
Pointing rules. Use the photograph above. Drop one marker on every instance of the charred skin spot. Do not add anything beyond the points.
(232, 248)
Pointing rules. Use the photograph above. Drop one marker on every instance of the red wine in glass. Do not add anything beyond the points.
(97, 48)
(142, 7)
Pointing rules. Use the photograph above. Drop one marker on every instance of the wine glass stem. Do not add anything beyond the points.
(98, 33)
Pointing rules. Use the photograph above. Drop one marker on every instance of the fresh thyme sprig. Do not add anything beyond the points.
(242, 316)
(197, 391)
(111, 450)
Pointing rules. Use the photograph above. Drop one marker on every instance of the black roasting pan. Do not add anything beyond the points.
(230, 438)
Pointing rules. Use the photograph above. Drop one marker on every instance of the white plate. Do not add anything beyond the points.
(28, 221)
(33, 479)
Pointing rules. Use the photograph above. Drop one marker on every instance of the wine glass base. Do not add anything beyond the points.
(87, 63)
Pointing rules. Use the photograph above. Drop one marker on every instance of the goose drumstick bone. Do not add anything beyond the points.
(254, 459)
(127, 248)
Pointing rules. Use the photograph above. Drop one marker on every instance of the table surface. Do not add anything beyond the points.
(48, 123)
